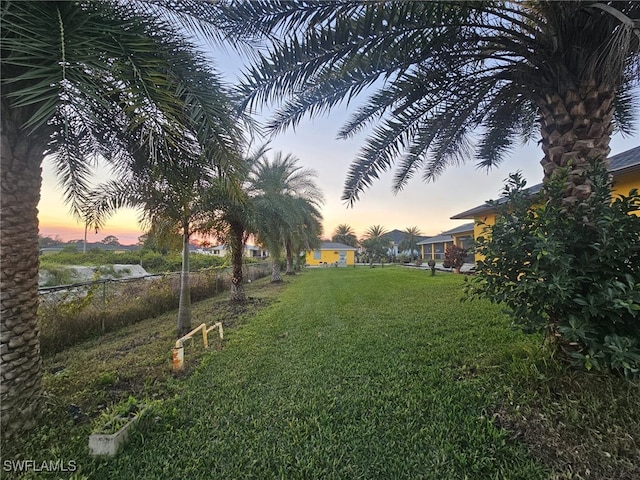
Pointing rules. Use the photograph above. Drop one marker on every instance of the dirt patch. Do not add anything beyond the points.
(136, 360)
(232, 313)
(572, 442)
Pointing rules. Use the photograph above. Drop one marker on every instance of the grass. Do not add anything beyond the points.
(353, 373)
(95, 378)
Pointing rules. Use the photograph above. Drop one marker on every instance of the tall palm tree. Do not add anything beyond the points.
(411, 235)
(79, 81)
(345, 234)
(448, 74)
(277, 188)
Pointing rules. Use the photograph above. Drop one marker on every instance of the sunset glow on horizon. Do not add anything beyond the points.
(428, 206)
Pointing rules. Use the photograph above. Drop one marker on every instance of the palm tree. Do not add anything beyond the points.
(235, 221)
(410, 240)
(345, 234)
(77, 79)
(376, 243)
(448, 75)
(180, 198)
(308, 235)
(277, 188)
(305, 232)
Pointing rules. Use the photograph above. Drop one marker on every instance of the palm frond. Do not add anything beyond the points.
(111, 70)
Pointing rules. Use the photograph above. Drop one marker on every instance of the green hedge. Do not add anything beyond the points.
(152, 262)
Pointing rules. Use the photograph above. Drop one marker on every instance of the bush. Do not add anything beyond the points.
(573, 272)
(152, 262)
(454, 257)
(403, 258)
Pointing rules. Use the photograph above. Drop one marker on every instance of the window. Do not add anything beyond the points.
(317, 254)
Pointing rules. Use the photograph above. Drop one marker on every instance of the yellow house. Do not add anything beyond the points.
(433, 248)
(624, 168)
(331, 253)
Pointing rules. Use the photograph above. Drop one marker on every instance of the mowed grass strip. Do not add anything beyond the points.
(352, 373)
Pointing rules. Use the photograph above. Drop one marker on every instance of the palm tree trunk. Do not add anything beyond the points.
(237, 279)
(276, 276)
(184, 306)
(21, 364)
(289, 253)
(575, 126)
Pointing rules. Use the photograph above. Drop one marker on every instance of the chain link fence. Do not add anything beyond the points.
(71, 313)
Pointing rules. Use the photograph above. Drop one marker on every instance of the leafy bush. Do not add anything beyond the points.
(152, 262)
(403, 258)
(432, 266)
(572, 271)
(454, 257)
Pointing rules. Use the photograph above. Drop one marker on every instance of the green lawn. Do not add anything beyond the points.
(366, 373)
(353, 373)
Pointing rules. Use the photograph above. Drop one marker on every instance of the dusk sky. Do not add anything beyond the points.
(428, 206)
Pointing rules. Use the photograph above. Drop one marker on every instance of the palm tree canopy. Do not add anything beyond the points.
(285, 197)
(284, 177)
(80, 77)
(452, 79)
(375, 241)
(409, 240)
(345, 234)
(374, 232)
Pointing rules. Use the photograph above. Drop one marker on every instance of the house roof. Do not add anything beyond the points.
(437, 239)
(448, 235)
(396, 236)
(486, 207)
(335, 246)
(624, 162)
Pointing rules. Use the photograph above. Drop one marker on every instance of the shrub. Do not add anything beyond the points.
(454, 257)
(573, 272)
(403, 258)
(432, 266)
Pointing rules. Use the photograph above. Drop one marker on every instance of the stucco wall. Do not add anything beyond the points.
(330, 257)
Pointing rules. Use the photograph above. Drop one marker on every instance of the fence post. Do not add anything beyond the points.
(104, 304)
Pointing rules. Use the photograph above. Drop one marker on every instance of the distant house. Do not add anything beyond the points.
(331, 253)
(433, 248)
(396, 237)
(250, 251)
(624, 168)
(253, 251)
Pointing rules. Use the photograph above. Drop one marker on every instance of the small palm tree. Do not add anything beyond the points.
(305, 233)
(235, 221)
(346, 235)
(276, 188)
(376, 243)
(410, 240)
(181, 199)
